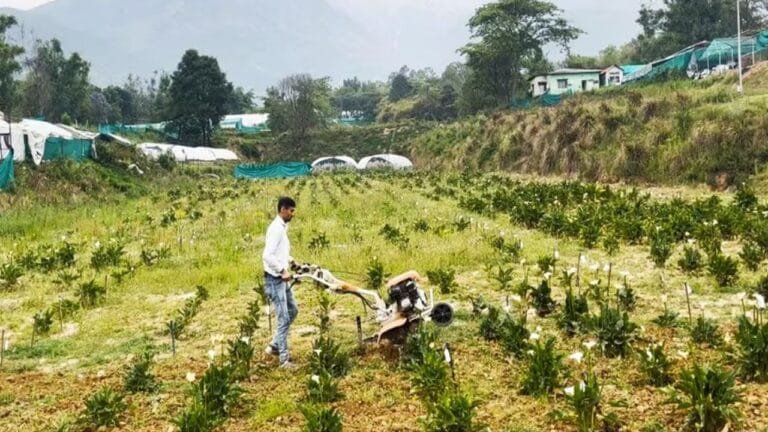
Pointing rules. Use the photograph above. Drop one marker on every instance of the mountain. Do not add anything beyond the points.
(257, 42)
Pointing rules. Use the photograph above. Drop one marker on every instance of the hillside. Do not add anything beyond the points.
(679, 131)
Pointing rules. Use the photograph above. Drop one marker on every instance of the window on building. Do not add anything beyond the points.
(542, 87)
(614, 78)
(562, 83)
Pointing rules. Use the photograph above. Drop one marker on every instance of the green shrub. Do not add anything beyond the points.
(705, 331)
(217, 391)
(752, 255)
(453, 412)
(321, 419)
(240, 357)
(327, 355)
(445, 279)
(91, 294)
(575, 313)
(752, 354)
(42, 322)
(321, 388)
(692, 261)
(430, 376)
(655, 365)
(544, 369)
(10, 273)
(197, 418)
(138, 377)
(709, 395)
(584, 400)
(542, 299)
(614, 330)
(724, 269)
(103, 408)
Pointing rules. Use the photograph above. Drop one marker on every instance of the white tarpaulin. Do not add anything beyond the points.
(246, 120)
(224, 154)
(384, 161)
(186, 154)
(334, 163)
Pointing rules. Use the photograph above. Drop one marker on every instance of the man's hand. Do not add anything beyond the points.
(285, 276)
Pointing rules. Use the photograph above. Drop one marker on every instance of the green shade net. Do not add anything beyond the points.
(6, 172)
(74, 149)
(281, 170)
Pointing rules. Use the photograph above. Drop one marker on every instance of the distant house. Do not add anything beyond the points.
(566, 81)
(612, 76)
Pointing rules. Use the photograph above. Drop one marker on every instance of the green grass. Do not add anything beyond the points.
(222, 251)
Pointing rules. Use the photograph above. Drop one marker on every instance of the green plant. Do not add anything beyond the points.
(321, 388)
(421, 225)
(544, 370)
(710, 238)
(542, 299)
(546, 263)
(197, 418)
(626, 297)
(430, 376)
(103, 408)
(240, 357)
(752, 255)
(661, 246)
(108, 255)
(328, 356)
(655, 365)
(614, 330)
(138, 377)
(453, 412)
(42, 322)
(10, 273)
(705, 331)
(584, 399)
(375, 274)
(575, 313)
(217, 390)
(691, 261)
(151, 257)
(511, 333)
(724, 269)
(325, 306)
(752, 354)
(321, 419)
(319, 242)
(445, 279)
(709, 396)
(90, 294)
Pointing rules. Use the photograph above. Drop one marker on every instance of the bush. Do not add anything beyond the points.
(724, 269)
(217, 391)
(542, 299)
(544, 369)
(453, 412)
(584, 399)
(752, 255)
(321, 419)
(691, 261)
(444, 279)
(430, 376)
(575, 313)
(709, 396)
(614, 330)
(752, 355)
(104, 408)
(705, 331)
(138, 378)
(10, 273)
(328, 356)
(321, 388)
(197, 418)
(656, 365)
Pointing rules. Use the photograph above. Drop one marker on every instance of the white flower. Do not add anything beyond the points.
(690, 241)
(607, 267)
(534, 336)
(530, 352)
(576, 357)
(688, 289)
(216, 339)
(190, 377)
(557, 255)
(649, 354)
(538, 329)
(594, 282)
(571, 271)
(759, 301)
(664, 298)
(516, 298)
(590, 344)
(522, 261)
(682, 354)
(594, 267)
(547, 275)
(245, 339)
(97, 244)
(714, 222)
(506, 308)
(316, 378)
(741, 296)
(624, 274)
(583, 259)
(687, 234)
(570, 390)
(212, 354)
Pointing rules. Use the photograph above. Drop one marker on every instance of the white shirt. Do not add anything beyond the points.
(277, 248)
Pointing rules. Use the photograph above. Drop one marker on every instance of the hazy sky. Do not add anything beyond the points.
(606, 22)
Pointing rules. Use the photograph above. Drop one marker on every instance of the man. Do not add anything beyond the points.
(277, 258)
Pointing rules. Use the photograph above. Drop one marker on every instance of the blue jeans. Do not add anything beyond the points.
(281, 297)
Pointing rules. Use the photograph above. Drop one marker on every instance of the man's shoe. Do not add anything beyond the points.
(271, 350)
(288, 365)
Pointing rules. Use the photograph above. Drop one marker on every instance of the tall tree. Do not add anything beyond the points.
(241, 101)
(510, 34)
(199, 93)
(56, 84)
(298, 104)
(9, 66)
(357, 99)
(400, 88)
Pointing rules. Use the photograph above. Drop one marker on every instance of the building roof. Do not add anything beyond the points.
(629, 69)
(571, 71)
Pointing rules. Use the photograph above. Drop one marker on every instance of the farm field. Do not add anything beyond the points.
(564, 293)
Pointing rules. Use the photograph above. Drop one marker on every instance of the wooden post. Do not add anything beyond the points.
(173, 342)
(578, 274)
(608, 288)
(359, 333)
(687, 288)
(2, 348)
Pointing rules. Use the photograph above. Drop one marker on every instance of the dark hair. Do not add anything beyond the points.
(285, 202)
